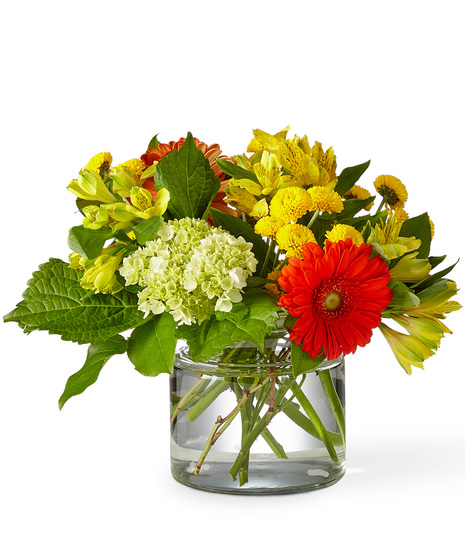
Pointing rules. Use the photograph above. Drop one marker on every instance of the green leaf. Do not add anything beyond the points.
(55, 301)
(429, 281)
(187, 175)
(154, 143)
(81, 204)
(97, 356)
(238, 227)
(213, 336)
(301, 362)
(436, 260)
(146, 230)
(238, 312)
(402, 297)
(349, 177)
(152, 345)
(87, 242)
(235, 171)
(420, 228)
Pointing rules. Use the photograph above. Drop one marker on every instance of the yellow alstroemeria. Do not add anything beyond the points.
(411, 269)
(240, 197)
(303, 168)
(268, 172)
(159, 204)
(141, 198)
(90, 186)
(262, 140)
(260, 209)
(120, 214)
(250, 186)
(408, 350)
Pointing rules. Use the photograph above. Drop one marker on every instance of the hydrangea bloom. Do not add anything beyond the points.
(190, 270)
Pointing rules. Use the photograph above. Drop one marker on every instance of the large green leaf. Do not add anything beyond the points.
(151, 346)
(213, 336)
(187, 175)
(238, 227)
(87, 242)
(97, 356)
(349, 177)
(420, 228)
(54, 301)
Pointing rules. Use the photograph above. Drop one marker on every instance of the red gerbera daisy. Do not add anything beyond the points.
(337, 296)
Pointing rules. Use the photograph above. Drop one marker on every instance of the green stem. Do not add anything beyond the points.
(222, 423)
(333, 400)
(313, 219)
(383, 201)
(306, 424)
(313, 416)
(258, 429)
(271, 249)
(277, 448)
(210, 394)
(190, 397)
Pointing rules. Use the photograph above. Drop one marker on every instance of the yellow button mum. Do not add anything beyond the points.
(324, 199)
(341, 232)
(100, 163)
(268, 226)
(275, 290)
(359, 193)
(392, 190)
(136, 165)
(292, 238)
(289, 204)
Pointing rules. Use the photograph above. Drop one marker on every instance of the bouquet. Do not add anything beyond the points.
(187, 245)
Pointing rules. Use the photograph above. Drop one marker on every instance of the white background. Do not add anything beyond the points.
(379, 81)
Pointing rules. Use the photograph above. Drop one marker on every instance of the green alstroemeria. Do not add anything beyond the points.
(429, 331)
(411, 269)
(387, 237)
(435, 301)
(90, 186)
(95, 217)
(124, 180)
(408, 350)
(100, 277)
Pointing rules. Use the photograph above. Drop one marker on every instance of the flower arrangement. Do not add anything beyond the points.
(186, 244)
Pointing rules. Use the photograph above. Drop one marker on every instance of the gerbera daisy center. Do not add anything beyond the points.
(332, 301)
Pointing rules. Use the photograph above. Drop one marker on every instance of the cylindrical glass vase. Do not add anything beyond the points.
(245, 423)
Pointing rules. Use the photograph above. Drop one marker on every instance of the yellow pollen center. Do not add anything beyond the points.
(332, 301)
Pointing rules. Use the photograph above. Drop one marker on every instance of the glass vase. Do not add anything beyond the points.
(244, 423)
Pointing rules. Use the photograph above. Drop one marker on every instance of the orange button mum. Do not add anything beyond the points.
(337, 296)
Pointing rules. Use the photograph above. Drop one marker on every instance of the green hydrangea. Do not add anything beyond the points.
(190, 270)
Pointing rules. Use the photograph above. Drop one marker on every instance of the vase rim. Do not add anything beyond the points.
(213, 367)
